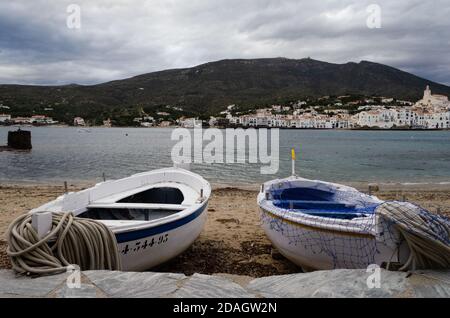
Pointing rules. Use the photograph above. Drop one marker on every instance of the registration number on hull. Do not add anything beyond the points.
(145, 244)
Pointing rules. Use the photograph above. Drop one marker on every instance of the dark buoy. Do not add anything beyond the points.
(20, 139)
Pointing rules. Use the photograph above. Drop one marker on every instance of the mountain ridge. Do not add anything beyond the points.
(208, 88)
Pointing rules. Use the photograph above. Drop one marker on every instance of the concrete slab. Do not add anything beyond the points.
(337, 283)
(85, 291)
(138, 285)
(431, 284)
(22, 286)
(205, 286)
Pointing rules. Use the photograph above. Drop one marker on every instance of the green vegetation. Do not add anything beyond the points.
(207, 89)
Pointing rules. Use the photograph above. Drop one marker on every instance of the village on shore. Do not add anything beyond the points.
(431, 112)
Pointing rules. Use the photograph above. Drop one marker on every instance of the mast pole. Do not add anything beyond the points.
(293, 161)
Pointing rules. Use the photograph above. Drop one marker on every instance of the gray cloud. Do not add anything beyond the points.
(121, 38)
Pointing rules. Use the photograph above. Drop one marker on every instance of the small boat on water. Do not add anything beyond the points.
(154, 215)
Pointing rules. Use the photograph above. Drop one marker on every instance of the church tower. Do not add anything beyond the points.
(427, 93)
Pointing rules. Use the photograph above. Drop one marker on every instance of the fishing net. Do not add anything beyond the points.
(329, 226)
(427, 234)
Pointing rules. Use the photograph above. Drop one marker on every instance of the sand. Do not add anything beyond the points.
(232, 241)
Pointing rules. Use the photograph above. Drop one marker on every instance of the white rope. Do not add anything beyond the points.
(427, 235)
(84, 242)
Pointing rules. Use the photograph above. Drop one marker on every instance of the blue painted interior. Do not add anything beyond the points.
(319, 203)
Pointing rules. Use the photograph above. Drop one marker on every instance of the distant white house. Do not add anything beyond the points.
(4, 118)
(78, 121)
(146, 124)
(42, 120)
(145, 121)
(212, 121)
(381, 118)
(165, 123)
(190, 122)
(107, 123)
(21, 120)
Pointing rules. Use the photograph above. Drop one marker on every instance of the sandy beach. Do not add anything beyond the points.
(232, 241)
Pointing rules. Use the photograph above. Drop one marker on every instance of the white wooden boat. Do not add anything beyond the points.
(321, 225)
(154, 215)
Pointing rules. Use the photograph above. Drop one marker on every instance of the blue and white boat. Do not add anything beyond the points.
(155, 215)
(320, 225)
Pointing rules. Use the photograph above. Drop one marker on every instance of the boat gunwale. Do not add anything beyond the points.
(141, 225)
(148, 225)
(317, 227)
(302, 219)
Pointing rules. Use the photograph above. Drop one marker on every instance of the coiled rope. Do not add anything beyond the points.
(72, 241)
(427, 234)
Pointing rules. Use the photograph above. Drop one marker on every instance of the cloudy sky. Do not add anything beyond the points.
(123, 38)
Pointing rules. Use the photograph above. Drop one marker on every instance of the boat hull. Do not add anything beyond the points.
(319, 249)
(151, 247)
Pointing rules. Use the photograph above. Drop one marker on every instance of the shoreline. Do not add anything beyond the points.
(359, 185)
(232, 127)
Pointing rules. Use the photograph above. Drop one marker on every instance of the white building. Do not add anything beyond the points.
(165, 123)
(146, 124)
(212, 121)
(371, 118)
(432, 120)
(431, 112)
(5, 118)
(107, 123)
(380, 118)
(42, 120)
(404, 116)
(163, 114)
(341, 121)
(433, 100)
(278, 121)
(190, 122)
(21, 120)
(78, 121)
(276, 108)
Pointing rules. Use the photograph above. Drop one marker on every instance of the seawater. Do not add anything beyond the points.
(333, 155)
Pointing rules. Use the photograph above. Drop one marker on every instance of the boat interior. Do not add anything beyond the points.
(319, 202)
(143, 204)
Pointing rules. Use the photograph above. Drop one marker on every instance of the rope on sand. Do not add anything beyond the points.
(427, 235)
(84, 242)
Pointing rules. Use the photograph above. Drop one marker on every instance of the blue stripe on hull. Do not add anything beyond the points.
(139, 234)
